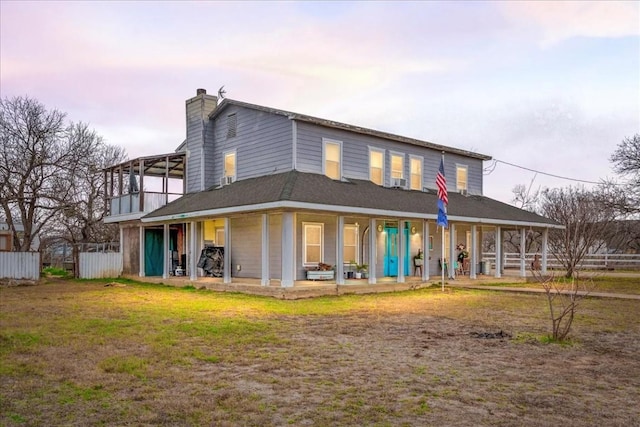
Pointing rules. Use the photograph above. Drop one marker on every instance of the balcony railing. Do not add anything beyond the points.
(130, 203)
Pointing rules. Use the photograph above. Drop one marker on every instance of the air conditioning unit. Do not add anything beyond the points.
(226, 180)
(464, 192)
(399, 182)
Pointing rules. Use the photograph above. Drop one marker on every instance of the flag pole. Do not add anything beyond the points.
(444, 261)
(443, 201)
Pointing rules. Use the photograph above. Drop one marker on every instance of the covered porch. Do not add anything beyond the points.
(275, 249)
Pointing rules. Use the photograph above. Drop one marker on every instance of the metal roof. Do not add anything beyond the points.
(158, 165)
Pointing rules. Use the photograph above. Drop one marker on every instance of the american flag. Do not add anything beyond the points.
(443, 198)
(441, 183)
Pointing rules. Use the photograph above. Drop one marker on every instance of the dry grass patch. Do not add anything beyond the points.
(76, 353)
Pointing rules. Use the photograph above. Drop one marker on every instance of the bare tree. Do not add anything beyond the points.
(33, 148)
(586, 215)
(563, 297)
(626, 161)
(50, 179)
(527, 198)
(80, 221)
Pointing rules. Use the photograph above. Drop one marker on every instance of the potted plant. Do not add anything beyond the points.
(350, 272)
(360, 270)
(321, 271)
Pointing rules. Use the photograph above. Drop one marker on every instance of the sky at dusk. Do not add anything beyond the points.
(550, 86)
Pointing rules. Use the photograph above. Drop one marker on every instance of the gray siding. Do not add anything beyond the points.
(197, 111)
(263, 144)
(355, 156)
(246, 246)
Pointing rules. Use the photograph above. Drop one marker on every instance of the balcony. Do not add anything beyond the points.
(132, 187)
(129, 204)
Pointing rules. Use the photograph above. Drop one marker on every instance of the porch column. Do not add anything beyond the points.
(193, 252)
(474, 252)
(166, 260)
(141, 256)
(523, 252)
(452, 251)
(288, 250)
(545, 249)
(373, 250)
(340, 250)
(107, 194)
(498, 272)
(264, 276)
(425, 250)
(141, 187)
(226, 274)
(401, 249)
(121, 246)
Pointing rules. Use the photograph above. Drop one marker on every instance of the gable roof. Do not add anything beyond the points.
(226, 102)
(299, 190)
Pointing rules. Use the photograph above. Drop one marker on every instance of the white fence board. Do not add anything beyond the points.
(100, 265)
(20, 265)
(589, 262)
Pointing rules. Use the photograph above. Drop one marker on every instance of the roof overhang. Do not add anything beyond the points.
(336, 209)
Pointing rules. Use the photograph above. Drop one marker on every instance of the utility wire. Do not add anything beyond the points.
(490, 169)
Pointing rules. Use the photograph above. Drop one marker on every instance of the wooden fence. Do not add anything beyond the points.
(100, 265)
(20, 265)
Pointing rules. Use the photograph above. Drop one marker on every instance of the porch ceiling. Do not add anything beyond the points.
(159, 165)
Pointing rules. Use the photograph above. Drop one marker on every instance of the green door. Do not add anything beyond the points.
(153, 252)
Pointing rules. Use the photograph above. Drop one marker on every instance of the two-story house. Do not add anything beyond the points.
(262, 193)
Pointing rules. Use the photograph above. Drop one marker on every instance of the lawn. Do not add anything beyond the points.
(81, 353)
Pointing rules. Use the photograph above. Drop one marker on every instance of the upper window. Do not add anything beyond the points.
(416, 173)
(376, 166)
(397, 166)
(332, 158)
(232, 125)
(313, 243)
(230, 164)
(461, 178)
(350, 243)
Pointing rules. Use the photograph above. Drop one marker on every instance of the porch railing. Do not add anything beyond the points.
(130, 203)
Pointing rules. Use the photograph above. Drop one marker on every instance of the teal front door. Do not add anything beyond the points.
(391, 252)
(153, 244)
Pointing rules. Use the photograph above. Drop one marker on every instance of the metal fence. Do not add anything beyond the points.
(589, 262)
(20, 265)
(100, 265)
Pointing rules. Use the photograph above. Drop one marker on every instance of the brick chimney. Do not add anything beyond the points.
(198, 109)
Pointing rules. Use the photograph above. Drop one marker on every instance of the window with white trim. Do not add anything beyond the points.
(461, 177)
(415, 166)
(230, 164)
(312, 244)
(397, 166)
(332, 158)
(376, 166)
(350, 250)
